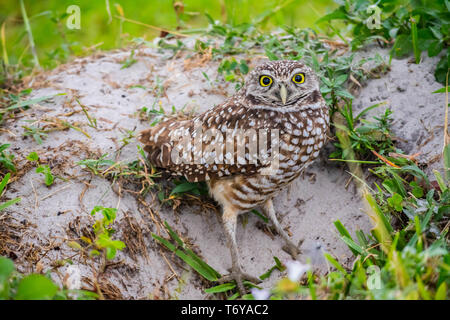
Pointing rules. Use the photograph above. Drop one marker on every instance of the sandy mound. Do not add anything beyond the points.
(50, 217)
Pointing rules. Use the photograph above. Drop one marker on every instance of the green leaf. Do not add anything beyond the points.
(441, 292)
(415, 38)
(4, 146)
(363, 112)
(27, 103)
(345, 94)
(435, 48)
(234, 296)
(260, 215)
(4, 182)
(33, 156)
(396, 202)
(46, 171)
(110, 253)
(440, 180)
(243, 67)
(36, 287)
(341, 79)
(221, 288)
(447, 161)
(277, 265)
(205, 272)
(442, 90)
(184, 187)
(424, 293)
(354, 247)
(402, 46)
(173, 235)
(417, 191)
(109, 214)
(6, 269)
(271, 55)
(338, 14)
(442, 68)
(161, 196)
(334, 262)
(9, 203)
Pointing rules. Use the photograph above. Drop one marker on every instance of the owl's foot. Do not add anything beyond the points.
(239, 277)
(292, 249)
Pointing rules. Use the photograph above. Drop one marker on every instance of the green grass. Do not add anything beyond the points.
(55, 43)
(413, 26)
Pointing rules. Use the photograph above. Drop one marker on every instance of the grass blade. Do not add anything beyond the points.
(4, 182)
(30, 35)
(221, 288)
(336, 264)
(188, 259)
(415, 38)
(27, 103)
(9, 203)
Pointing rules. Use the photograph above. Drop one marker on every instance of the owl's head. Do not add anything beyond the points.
(280, 83)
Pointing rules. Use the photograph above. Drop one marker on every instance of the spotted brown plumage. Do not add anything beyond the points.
(288, 106)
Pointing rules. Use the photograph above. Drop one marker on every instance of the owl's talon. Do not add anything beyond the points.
(293, 250)
(239, 277)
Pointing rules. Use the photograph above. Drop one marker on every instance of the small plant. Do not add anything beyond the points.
(127, 136)
(414, 27)
(138, 170)
(233, 71)
(37, 133)
(181, 250)
(42, 168)
(103, 230)
(47, 172)
(413, 264)
(92, 121)
(3, 184)
(187, 255)
(16, 102)
(364, 136)
(6, 159)
(129, 61)
(97, 165)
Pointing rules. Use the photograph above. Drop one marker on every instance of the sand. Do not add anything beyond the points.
(52, 215)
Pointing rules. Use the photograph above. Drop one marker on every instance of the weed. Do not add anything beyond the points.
(129, 61)
(416, 27)
(92, 121)
(365, 136)
(15, 102)
(7, 159)
(42, 168)
(234, 71)
(103, 232)
(8, 203)
(137, 171)
(47, 172)
(37, 133)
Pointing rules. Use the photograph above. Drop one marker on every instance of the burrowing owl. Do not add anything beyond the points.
(250, 147)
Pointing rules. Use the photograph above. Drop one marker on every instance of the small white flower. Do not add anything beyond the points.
(262, 294)
(296, 270)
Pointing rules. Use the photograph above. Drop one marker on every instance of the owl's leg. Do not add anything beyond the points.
(229, 223)
(290, 247)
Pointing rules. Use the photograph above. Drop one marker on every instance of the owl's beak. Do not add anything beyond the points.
(283, 93)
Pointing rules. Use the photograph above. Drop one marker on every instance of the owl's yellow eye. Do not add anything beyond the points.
(298, 78)
(265, 81)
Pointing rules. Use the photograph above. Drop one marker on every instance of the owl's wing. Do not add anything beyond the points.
(200, 149)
